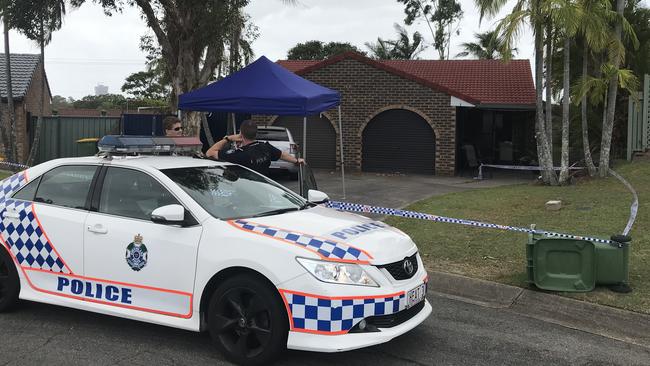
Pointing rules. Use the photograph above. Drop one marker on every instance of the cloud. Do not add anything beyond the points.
(92, 48)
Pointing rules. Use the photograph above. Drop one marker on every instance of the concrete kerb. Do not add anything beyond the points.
(592, 318)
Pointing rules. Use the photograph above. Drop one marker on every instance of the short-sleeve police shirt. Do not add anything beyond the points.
(257, 156)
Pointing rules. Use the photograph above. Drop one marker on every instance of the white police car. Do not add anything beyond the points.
(203, 245)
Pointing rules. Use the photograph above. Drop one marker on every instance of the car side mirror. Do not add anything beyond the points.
(169, 215)
(315, 196)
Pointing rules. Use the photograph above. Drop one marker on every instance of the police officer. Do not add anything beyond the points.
(252, 154)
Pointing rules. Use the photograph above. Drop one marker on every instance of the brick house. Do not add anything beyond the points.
(418, 116)
(26, 76)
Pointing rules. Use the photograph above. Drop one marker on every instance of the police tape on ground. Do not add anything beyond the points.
(360, 208)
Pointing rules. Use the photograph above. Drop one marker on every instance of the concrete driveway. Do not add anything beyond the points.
(397, 191)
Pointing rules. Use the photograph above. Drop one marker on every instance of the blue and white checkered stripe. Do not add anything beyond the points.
(10, 185)
(24, 236)
(311, 313)
(327, 249)
(355, 207)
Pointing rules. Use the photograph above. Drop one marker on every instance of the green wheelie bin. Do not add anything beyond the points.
(570, 265)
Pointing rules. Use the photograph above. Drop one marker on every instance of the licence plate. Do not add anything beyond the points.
(416, 295)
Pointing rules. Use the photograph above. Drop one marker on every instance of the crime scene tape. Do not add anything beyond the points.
(15, 165)
(519, 167)
(360, 208)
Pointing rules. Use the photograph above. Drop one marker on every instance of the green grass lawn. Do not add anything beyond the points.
(598, 207)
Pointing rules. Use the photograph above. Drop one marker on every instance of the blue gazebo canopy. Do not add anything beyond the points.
(262, 87)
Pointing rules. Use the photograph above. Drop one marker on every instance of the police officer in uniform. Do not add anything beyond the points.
(251, 153)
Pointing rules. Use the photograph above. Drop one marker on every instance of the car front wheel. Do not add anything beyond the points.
(9, 282)
(247, 320)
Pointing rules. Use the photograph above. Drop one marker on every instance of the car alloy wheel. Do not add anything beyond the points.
(247, 321)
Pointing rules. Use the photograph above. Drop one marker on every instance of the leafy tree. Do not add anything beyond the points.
(317, 50)
(192, 36)
(59, 102)
(116, 101)
(402, 48)
(489, 46)
(145, 84)
(154, 82)
(37, 20)
(443, 13)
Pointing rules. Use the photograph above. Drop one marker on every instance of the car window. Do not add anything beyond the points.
(27, 192)
(272, 135)
(231, 191)
(132, 193)
(66, 186)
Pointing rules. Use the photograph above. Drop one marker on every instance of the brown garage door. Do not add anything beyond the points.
(398, 141)
(321, 139)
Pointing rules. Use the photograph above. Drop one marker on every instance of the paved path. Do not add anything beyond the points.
(457, 333)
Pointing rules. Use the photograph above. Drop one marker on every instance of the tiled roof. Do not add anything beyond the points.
(23, 67)
(482, 82)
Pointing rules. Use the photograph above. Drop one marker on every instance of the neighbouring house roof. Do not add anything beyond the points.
(23, 67)
(84, 112)
(87, 112)
(487, 83)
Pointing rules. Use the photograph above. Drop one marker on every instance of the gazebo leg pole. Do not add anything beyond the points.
(341, 150)
(304, 138)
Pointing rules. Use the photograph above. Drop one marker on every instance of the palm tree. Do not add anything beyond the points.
(489, 46)
(594, 30)
(406, 49)
(524, 12)
(596, 36)
(596, 89)
(568, 15)
(608, 122)
(402, 48)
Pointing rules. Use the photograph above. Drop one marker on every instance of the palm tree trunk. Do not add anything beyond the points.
(608, 125)
(543, 151)
(589, 162)
(41, 101)
(564, 171)
(7, 130)
(549, 98)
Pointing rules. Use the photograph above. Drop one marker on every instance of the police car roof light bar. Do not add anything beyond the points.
(118, 144)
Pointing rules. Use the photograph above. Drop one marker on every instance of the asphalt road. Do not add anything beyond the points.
(457, 333)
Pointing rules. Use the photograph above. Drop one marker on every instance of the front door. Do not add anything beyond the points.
(132, 262)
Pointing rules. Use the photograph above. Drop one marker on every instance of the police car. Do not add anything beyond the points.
(204, 245)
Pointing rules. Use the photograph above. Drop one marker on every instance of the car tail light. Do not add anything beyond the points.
(293, 148)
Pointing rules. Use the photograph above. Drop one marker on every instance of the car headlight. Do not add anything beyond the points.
(336, 272)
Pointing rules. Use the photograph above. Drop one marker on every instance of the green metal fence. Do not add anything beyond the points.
(59, 135)
(638, 120)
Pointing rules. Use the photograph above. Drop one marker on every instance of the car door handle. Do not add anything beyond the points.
(98, 229)
(12, 215)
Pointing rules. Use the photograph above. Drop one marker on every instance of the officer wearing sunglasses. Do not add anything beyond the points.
(172, 126)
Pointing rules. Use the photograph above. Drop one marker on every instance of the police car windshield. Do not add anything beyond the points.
(230, 192)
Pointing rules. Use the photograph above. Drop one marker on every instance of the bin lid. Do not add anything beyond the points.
(88, 139)
(564, 265)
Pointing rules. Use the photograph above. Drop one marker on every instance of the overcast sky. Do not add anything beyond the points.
(92, 48)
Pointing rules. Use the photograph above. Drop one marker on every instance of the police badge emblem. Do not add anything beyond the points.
(136, 254)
